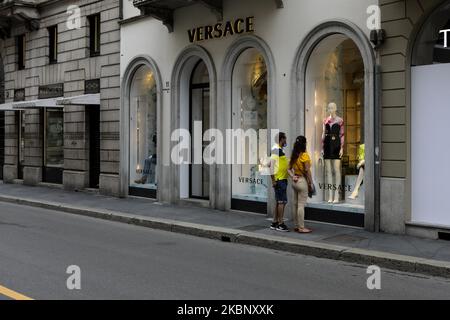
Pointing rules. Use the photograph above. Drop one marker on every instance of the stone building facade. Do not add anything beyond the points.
(145, 92)
(414, 62)
(70, 49)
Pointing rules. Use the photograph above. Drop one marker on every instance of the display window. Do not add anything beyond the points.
(432, 43)
(334, 124)
(249, 113)
(22, 125)
(143, 134)
(54, 138)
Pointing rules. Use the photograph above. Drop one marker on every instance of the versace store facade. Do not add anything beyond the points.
(59, 121)
(192, 66)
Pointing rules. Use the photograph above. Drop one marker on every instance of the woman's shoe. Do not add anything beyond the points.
(303, 230)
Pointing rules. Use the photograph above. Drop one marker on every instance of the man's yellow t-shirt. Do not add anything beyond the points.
(281, 163)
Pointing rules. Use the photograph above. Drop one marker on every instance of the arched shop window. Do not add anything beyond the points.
(429, 45)
(249, 111)
(334, 124)
(143, 132)
(430, 112)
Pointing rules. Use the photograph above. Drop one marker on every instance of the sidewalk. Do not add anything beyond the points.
(403, 253)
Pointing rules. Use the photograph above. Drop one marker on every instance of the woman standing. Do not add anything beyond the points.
(302, 183)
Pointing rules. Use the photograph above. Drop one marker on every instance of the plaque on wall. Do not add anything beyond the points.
(92, 86)
(51, 91)
(19, 95)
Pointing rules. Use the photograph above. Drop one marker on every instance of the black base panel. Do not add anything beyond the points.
(249, 206)
(20, 172)
(2, 141)
(143, 193)
(53, 175)
(335, 217)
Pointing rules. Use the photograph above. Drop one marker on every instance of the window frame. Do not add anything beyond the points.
(94, 34)
(21, 51)
(53, 44)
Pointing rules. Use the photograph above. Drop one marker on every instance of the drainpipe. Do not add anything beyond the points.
(377, 38)
(121, 9)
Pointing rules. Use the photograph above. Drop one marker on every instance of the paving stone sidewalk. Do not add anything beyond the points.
(246, 222)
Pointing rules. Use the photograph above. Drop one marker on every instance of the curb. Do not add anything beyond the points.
(320, 250)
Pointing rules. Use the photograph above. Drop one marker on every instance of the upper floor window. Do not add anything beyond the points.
(53, 44)
(21, 48)
(94, 34)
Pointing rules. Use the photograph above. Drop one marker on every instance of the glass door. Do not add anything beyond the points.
(199, 173)
(53, 146)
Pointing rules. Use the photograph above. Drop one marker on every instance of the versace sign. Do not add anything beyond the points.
(222, 30)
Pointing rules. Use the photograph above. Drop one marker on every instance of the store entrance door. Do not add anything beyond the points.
(53, 146)
(94, 146)
(199, 123)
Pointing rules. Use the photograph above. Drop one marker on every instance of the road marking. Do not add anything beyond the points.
(12, 294)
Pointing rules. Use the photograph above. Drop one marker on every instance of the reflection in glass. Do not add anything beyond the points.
(249, 84)
(54, 138)
(334, 122)
(143, 139)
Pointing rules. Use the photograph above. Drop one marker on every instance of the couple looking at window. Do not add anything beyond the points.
(298, 171)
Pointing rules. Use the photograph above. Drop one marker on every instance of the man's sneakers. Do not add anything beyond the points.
(279, 227)
(282, 228)
(274, 226)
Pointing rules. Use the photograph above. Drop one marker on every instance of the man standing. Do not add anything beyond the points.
(279, 165)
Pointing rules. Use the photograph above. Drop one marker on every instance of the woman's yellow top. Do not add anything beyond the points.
(300, 166)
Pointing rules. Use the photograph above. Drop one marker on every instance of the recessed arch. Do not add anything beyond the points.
(236, 49)
(426, 69)
(184, 65)
(134, 65)
(298, 81)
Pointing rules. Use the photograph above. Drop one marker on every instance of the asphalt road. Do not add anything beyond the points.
(119, 261)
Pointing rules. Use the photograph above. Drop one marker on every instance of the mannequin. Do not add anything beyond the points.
(333, 150)
(360, 167)
(149, 172)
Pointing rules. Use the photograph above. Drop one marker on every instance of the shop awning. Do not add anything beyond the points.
(6, 107)
(33, 104)
(83, 100)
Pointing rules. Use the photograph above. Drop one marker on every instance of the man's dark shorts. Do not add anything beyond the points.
(281, 192)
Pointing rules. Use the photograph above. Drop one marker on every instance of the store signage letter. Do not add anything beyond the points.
(222, 30)
(445, 32)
